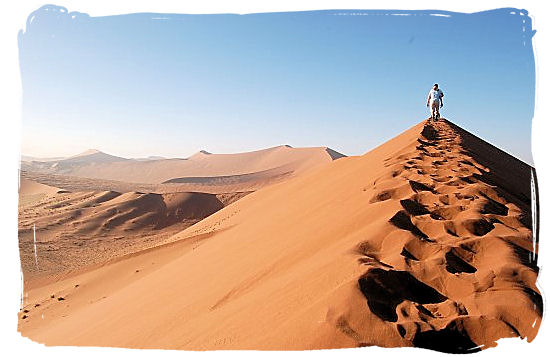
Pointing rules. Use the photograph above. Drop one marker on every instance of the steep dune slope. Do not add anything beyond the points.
(417, 243)
(32, 188)
(31, 191)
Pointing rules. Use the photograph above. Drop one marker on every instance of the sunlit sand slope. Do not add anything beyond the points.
(424, 241)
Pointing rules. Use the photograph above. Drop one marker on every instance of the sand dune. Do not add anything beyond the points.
(31, 191)
(78, 229)
(28, 159)
(29, 188)
(265, 164)
(211, 184)
(424, 241)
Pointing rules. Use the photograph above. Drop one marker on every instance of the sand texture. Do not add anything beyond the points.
(75, 221)
(425, 241)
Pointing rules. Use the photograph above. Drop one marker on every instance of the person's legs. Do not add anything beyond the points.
(434, 109)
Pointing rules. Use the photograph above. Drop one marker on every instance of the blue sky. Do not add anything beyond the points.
(164, 84)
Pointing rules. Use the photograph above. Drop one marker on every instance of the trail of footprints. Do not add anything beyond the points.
(449, 211)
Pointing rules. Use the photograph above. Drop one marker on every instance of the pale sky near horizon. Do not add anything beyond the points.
(164, 84)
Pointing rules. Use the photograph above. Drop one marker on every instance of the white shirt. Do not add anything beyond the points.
(435, 95)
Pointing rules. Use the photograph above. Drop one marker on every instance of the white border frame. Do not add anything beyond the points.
(14, 19)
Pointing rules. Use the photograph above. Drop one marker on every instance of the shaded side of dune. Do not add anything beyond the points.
(419, 243)
(73, 230)
(510, 176)
(230, 179)
(463, 191)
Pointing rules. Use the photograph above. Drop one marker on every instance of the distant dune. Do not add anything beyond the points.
(31, 191)
(77, 229)
(28, 187)
(280, 160)
(59, 200)
(26, 158)
(424, 241)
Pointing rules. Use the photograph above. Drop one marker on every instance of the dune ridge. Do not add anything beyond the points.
(74, 231)
(31, 191)
(424, 241)
(264, 164)
(77, 229)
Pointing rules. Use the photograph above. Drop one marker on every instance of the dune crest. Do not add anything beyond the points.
(72, 230)
(424, 241)
(265, 165)
(29, 187)
(31, 191)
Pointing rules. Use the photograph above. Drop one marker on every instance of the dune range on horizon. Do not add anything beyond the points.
(265, 163)
(425, 241)
(75, 215)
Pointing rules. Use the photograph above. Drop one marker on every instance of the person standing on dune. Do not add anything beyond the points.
(435, 101)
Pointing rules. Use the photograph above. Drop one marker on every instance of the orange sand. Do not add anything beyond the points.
(424, 241)
(263, 164)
